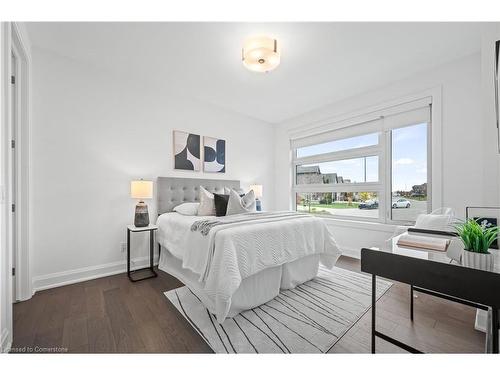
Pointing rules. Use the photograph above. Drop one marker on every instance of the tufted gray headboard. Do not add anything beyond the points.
(172, 191)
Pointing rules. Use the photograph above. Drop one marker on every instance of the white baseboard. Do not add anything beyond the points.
(353, 253)
(54, 280)
(5, 341)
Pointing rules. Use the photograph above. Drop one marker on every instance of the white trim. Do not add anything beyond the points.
(5, 341)
(351, 252)
(437, 148)
(20, 45)
(386, 172)
(361, 224)
(22, 33)
(5, 252)
(56, 279)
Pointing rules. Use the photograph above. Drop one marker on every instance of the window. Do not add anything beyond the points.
(377, 170)
(338, 145)
(409, 172)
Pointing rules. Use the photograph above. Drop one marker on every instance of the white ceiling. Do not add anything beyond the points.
(321, 62)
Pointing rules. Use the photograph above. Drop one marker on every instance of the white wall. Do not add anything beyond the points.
(91, 135)
(469, 149)
(490, 35)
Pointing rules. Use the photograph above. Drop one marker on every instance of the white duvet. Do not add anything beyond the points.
(233, 252)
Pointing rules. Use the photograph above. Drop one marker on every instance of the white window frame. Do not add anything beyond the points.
(381, 122)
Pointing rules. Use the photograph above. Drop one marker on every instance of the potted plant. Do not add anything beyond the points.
(477, 239)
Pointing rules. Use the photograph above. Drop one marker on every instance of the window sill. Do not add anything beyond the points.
(366, 225)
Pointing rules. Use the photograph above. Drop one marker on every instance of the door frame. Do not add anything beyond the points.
(20, 48)
(13, 35)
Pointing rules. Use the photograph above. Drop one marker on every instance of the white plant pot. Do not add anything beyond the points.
(479, 261)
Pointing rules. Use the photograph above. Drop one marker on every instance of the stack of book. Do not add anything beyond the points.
(421, 242)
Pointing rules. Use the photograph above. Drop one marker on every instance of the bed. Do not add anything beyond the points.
(244, 260)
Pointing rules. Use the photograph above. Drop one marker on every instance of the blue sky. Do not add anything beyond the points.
(409, 154)
(409, 157)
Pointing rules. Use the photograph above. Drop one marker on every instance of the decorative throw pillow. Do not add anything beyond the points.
(221, 204)
(239, 205)
(207, 204)
(227, 191)
(188, 209)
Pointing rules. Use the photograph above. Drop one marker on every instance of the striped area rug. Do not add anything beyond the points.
(308, 319)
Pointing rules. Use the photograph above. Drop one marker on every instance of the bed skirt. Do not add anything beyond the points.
(254, 290)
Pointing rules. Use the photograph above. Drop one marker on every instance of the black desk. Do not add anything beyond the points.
(434, 273)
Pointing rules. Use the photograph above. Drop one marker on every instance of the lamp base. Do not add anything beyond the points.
(141, 215)
(258, 205)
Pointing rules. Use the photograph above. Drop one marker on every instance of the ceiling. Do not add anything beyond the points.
(321, 62)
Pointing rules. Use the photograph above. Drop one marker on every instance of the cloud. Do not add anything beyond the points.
(404, 161)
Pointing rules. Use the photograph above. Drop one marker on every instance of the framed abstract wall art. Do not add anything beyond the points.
(497, 89)
(214, 155)
(486, 216)
(187, 151)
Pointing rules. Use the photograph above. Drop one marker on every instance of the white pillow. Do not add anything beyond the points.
(188, 209)
(239, 205)
(433, 222)
(227, 191)
(207, 203)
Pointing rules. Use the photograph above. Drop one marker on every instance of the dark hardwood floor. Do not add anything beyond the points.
(112, 314)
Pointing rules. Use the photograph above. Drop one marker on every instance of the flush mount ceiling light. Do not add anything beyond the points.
(260, 54)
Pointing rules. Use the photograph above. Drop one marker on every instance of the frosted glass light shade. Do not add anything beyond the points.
(260, 54)
(141, 189)
(257, 189)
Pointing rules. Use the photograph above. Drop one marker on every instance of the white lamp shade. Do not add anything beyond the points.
(257, 189)
(141, 189)
(260, 54)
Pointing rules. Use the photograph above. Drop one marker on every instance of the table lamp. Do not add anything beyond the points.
(257, 189)
(141, 190)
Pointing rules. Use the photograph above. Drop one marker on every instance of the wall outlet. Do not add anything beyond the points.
(123, 247)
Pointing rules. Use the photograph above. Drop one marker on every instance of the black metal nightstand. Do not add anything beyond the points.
(152, 273)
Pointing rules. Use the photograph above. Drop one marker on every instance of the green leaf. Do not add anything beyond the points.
(475, 237)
